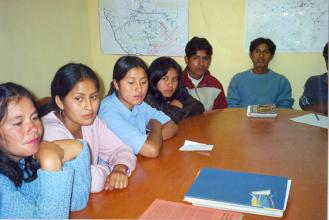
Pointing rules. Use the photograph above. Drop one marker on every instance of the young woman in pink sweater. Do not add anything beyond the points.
(74, 105)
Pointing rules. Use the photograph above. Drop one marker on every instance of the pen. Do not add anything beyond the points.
(317, 117)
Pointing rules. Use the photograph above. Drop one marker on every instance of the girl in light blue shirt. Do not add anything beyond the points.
(139, 125)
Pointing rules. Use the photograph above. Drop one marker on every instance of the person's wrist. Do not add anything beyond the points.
(120, 168)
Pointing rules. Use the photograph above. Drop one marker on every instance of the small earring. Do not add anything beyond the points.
(61, 113)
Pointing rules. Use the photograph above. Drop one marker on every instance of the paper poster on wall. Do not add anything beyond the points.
(144, 27)
(293, 25)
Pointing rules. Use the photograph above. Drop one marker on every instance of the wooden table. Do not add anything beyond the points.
(268, 146)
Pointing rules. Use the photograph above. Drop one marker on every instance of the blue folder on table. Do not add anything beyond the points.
(239, 191)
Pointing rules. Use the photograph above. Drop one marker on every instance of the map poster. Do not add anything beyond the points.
(293, 25)
(144, 27)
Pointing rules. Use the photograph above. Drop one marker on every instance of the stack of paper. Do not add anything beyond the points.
(262, 111)
(161, 209)
(195, 146)
(241, 192)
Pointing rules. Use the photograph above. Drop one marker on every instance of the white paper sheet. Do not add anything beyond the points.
(195, 146)
(311, 119)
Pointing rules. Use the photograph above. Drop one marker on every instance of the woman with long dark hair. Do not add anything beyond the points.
(37, 179)
(167, 93)
(139, 125)
(75, 103)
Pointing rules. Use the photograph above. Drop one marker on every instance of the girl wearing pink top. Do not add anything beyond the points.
(73, 115)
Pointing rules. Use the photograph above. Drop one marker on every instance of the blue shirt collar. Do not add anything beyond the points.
(126, 112)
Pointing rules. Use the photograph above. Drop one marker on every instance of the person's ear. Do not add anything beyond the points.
(116, 85)
(186, 60)
(59, 103)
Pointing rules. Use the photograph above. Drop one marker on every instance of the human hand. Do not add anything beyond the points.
(118, 178)
(153, 123)
(176, 103)
(71, 148)
(50, 156)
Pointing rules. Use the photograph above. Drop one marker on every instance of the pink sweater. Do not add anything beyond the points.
(106, 148)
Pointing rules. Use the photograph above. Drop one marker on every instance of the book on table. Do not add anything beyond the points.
(161, 209)
(262, 111)
(238, 191)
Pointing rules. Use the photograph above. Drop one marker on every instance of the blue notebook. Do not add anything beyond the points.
(238, 191)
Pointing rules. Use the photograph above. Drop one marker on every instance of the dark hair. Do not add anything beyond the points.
(160, 68)
(122, 67)
(8, 167)
(258, 41)
(325, 51)
(196, 44)
(67, 77)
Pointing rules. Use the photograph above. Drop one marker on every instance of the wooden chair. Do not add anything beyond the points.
(43, 105)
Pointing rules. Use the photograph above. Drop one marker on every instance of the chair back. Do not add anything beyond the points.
(43, 105)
